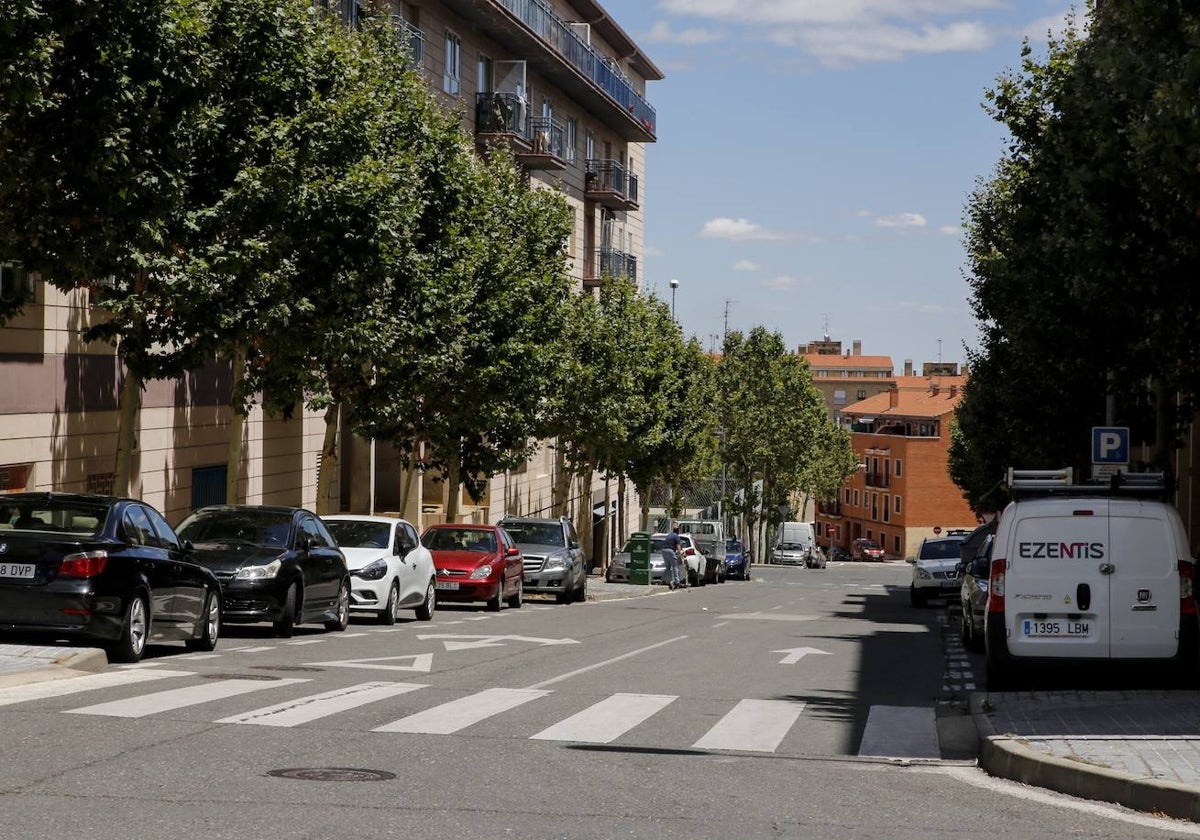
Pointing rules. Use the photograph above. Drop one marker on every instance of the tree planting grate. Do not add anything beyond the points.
(332, 774)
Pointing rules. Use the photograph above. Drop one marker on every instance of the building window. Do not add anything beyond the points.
(896, 505)
(862, 393)
(589, 145)
(484, 74)
(15, 282)
(886, 509)
(839, 397)
(847, 491)
(451, 77)
(572, 139)
(898, 472)
(856, 498)
(897, 544)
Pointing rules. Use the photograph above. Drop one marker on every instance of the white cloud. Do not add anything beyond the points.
(906, 221)
(1054, 26)
(662, 33)
(783, 283)
(739, 230)
(950, 230)
(746, 265)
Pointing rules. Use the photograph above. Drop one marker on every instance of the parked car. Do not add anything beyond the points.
(935, 568)
(814, 557)
(389, 568)
(737, 559)
(866, 549)
(552, 555)
(276, 564)
(102, 568)
(476, 563)
(707, 534)
(700, 569)
(975, 572)
(1084, 573)
(618, 568)
(789, 554)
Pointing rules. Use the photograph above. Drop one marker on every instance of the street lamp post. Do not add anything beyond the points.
(674, 286)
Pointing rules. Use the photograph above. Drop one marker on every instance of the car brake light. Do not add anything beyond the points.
(85, 564)
(1187, 588)
(996, 586)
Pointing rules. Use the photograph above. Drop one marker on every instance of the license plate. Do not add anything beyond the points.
(949, 584)
(446, 584)
(1056, 629)
(16, 570)
(529, 581)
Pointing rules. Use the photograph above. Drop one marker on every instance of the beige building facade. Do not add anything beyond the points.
(558, 82)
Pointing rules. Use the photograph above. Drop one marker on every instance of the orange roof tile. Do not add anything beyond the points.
(822, 360)
(914, 398)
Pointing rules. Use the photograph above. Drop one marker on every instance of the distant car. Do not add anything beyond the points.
(389, 568)
(476, 563)
(865, 549)
(276, 564)
(814, 557)
(618, 568)
(935, 568)
(737, 559)
(104, 569)
(553, 558)
(789, 554)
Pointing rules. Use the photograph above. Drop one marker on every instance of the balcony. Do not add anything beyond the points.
(829, 509)
(877, 479)
(500, 118)
(610, 184)
(529, 30)
(607, 262)
(410, 35)
(546, 146)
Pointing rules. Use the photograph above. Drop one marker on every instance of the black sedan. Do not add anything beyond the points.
(276, 564)
(103, 568)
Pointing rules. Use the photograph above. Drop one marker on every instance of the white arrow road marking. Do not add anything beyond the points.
(417, 662)
(794, 655)
(455, 641)
(316, 706)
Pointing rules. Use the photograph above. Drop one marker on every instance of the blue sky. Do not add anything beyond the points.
(814, 159)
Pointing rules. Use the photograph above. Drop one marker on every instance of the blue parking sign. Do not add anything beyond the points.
(1110, 444)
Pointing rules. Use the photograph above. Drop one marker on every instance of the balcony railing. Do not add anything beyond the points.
(609, 183)
(877, 479)
(501, 113)
(410, 35)
(536, 14)
(609, 262)
(546, 145)
(829, 509)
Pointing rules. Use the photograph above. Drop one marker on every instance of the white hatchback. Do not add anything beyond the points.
(389, 568)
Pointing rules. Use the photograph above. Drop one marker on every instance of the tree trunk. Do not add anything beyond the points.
(562, 484)
(644, 497)
(584, 525)
(606, 524)
(131, 403)
(329, 461)
(237, 425)
(452, 484)
(406, 488)
(622, 523)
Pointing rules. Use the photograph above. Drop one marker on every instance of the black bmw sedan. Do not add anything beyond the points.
(276, 564)
(103, 568)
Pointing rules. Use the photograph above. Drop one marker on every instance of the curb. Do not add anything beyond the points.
(1006, 757)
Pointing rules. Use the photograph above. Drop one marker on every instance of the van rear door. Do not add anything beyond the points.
(1144, 589)
(1057, 598)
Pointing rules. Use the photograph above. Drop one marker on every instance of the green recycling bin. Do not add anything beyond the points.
(639, 557)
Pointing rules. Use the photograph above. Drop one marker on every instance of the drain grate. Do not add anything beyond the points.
(263, 677)
(287, 668)
(332, 774)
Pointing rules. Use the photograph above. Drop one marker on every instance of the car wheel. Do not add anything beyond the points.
(285, 625)
(496, 603)
(516, 600)
(425, 611)
(915, 597)
(342, 621)
(388, 616)
(581, 590)
(975, 642)
(211, 628)
(134, 627)
(964, 627)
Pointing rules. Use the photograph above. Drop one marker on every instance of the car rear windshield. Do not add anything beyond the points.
(706, 529)
(535, 533)
(358, 533)
(940, 549)
(83, 519)
(267, 528)
(459, 539)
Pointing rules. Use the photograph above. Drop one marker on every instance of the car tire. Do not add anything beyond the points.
(975, 639)
(516, 600)
(285, 625)
(581, 590)
(135, 629)
(564, 597)
(964, 627)
(211, 628)
(388, 616)
(496, 603)
(337, 625)
(426, 610)
(917, 598)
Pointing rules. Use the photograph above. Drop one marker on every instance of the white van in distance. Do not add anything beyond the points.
(1089, 573)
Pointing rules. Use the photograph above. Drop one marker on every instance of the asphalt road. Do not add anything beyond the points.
(742, 710)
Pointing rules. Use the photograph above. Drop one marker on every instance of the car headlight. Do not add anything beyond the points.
(554, 564)
(481, 573)
(373, 571)
(924, 575)
(265, 572)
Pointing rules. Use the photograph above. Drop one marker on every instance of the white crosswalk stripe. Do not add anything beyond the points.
(76, 685)
(459, 714)
(178, 698)
(607, 720)
(316, 706)
(753, 726)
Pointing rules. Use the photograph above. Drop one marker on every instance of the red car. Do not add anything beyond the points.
(476, 563)
(865, 549)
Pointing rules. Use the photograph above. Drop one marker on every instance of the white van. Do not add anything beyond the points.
(1088, 572)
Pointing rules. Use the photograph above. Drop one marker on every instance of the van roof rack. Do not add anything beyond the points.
(1025, 483)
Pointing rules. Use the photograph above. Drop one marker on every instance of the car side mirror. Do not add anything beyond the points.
(512, 552)
(187, 547)
(306, 543)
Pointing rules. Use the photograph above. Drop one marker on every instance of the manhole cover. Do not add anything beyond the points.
(332, 774)
(286, 668)
(238, 677)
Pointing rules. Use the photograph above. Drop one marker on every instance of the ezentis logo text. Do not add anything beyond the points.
(1061, 550)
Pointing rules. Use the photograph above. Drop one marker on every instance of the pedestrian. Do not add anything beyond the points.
(670, 553)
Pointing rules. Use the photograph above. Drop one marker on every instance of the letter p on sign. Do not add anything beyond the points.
(1110, 445)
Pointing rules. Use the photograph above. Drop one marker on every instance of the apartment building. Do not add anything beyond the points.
(902, 490)
(844, 378)
(558, 82)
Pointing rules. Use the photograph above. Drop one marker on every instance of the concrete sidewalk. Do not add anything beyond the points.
(21, 664)
(1140, 749)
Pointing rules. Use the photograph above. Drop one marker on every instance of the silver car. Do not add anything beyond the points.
(694, 561)
(554, 561)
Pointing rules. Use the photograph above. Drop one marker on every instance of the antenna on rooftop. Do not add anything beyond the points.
(727, 302)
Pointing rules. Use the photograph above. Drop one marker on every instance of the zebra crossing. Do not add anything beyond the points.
(751, 725)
